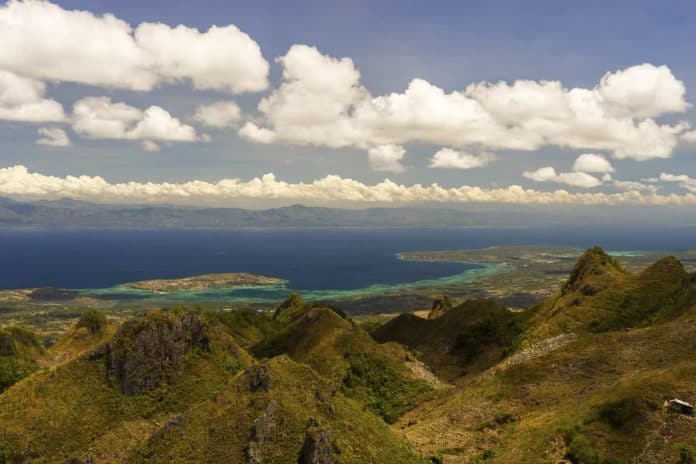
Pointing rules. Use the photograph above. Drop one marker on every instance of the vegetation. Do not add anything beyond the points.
(467, 338)
(564, 380)
(19, 349)
(384, 390)
(483, 333)
(93, 320)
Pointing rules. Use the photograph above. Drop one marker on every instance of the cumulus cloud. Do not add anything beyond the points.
(19, 182)
(386, 158)
(689, 137)
(218, 115)
(53, 137)
(643, 91)
(629, 185)
(311, 105)
(149, 145)
(100, 118)
(46, 42)
(23, 99)
(449, 158)
(322, 102)
(683, 180)
(251, 131)
(590, 162)
(574, 179)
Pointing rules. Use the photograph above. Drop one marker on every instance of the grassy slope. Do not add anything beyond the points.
(594, 396)
(468, 338)
(344, 353)
(69, 409)
(19, 352)
(73, 410)
(525, 412)
(600, 296)
(595, 399)
(219, 430)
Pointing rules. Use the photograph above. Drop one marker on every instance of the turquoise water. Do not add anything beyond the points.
(326, 263)
(274, 293)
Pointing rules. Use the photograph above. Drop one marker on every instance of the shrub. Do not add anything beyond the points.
(501, 331)
(581, 451)
(484, 456)
(383, 390)
(620, 414)
(686, 456)
(13, 369)
(93, 320)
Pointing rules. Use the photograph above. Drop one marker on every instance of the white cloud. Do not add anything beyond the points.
(22, 99)
(386, 158)
(158, 124)
(684, 181)
(575, 179)
(629, 185)
(322, 102)
(590, 162)
(46, 42)
(100, 118)
(53, 137)
(449, 158)
(251, 131)
(311, 105)
(18, 182)
(149, 145)
(643, 91)
(219, 114)
(689, 137)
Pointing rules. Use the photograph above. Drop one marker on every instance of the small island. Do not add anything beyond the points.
(204, 282)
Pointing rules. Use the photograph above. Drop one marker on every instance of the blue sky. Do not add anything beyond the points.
(450, 45)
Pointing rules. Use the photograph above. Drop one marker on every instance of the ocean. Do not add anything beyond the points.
(310, 260)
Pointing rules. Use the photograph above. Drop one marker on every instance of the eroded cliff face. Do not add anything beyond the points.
(149, 351)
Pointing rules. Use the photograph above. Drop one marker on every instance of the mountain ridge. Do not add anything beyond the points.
(580, 378)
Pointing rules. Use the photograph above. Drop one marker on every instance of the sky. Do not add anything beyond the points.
(349, 103)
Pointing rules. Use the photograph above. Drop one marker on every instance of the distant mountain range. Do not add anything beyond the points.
(71, 213)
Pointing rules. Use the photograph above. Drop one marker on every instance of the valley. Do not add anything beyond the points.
(582, 377)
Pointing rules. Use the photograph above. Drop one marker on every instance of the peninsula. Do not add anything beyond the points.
(204, 282)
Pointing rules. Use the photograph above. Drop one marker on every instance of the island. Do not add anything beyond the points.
(204, 282)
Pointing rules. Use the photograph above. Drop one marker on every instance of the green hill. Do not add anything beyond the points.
(342, 352)
(467, 338)
(19, 351)
(601, 296)
(177, 386)
(581, 378)
(587, 383)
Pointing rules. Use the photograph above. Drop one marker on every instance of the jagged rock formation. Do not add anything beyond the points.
(440, 306)
(317, 447)
(601, 296)
(290, 309)
(562, 382)
(148, 351)
(259, 377)
(594, 271)
(264, 426)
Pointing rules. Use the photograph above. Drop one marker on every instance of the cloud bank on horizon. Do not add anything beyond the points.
(19, 182)
(320, 101)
